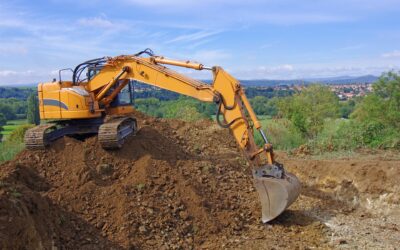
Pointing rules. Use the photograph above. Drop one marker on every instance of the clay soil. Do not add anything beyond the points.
(178, 185)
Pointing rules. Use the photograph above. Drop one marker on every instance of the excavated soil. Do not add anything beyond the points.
(178, 185)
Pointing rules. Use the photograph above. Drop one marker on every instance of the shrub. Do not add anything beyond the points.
(281, 133)
(308, 109)
(17, 135)
(8, 150)
(378, 114)
(337, 135)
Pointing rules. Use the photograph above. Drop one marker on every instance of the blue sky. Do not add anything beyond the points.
(260, 39)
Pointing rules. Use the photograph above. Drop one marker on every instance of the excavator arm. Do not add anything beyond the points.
(277, 189)
(225, 91)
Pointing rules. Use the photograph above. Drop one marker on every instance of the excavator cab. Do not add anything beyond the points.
(123, 102)
(125, 97)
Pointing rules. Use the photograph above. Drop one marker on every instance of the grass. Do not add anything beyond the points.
(11, 125)
(8, 150)
(279, 133)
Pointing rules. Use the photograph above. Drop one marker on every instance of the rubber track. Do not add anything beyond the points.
(35, 138)
(109, 136)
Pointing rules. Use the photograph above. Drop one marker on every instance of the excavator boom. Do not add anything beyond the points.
(277, 189)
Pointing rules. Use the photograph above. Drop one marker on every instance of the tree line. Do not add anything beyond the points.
(314, 116)
(14, 108)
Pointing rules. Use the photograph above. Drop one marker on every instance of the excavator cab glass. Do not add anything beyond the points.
(125, 97)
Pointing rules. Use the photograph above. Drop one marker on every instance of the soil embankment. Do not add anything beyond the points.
(185, 185)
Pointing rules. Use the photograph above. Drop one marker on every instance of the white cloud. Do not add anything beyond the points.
(11, 77)
(5, 73)
(10, 23)
(392, 54)
(213, 57)
(193, 36)
(97, 22)
(294, 18)
(7, 48)
(189, 29)
(278, 12)
(351, 47)
(275, 69)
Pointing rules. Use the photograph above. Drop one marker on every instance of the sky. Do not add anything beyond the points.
(259, 39)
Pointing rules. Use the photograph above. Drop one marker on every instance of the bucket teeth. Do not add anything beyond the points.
(276, 194)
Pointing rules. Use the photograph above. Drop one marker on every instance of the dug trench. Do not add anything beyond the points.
(178, 185)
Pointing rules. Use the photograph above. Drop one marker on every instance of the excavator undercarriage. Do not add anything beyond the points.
(111, 133)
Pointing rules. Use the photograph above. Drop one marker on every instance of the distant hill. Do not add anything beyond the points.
(346, 79)
(273, 82)
(328, 80)
(21, 93)
(19, 85)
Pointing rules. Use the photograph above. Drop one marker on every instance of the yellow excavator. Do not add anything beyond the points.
(99, 101)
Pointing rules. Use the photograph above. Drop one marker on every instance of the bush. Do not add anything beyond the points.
(346, 108)
(186, 113)
(308, 109)
(343, 134)
(281, 133)
(14, 143)
(337, 135)
(264, 106)
(378, 114)
(8, 150)
(17, 135)
(184, 108)
(376, 135)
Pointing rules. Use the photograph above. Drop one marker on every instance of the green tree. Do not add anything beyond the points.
(378, 114)
(383, 104)
(33, 110)
(387, 88)
(264, 106)
(346, 108)
(184, 108)
(309, 109)
(3, 122)
(7, 111)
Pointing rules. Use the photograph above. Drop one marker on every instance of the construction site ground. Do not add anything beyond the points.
(178, 185)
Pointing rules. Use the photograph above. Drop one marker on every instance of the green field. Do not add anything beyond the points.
(9, 149)
(11, 125)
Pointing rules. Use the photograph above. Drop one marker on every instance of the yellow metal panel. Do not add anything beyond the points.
(77, 107)
(62, 103)
(40, 97)
(120, 110)
(49, 101)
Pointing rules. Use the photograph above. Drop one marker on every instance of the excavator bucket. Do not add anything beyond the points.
(276, 192)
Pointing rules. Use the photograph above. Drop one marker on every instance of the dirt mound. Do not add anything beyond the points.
(157, 191)
(173, 185)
